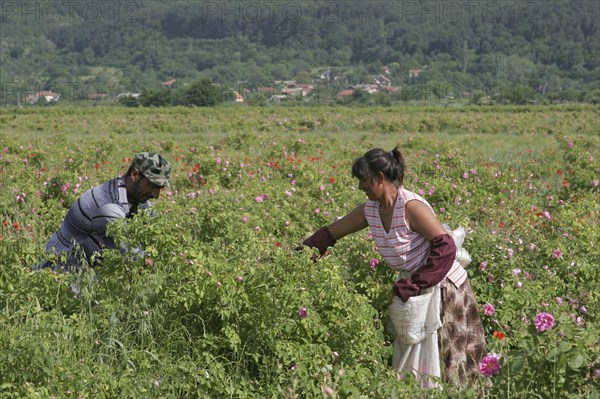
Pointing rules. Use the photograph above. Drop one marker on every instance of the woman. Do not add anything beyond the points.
(414, 243)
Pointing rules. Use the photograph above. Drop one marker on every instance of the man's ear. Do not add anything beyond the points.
(135, 175)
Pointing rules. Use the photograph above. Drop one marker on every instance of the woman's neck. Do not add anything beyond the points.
(390, 194)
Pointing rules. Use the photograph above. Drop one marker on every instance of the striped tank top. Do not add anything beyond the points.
(402, 249)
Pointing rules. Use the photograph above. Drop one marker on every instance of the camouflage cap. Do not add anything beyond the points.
(154, 166)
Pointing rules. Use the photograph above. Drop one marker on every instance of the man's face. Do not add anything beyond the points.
(143, 190)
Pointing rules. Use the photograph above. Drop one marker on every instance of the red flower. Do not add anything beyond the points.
(499, 335)
(278, 244)
(97, 165)
(332, 180)
(565, 184)
(16, 226)
(558, 171)
(5, 223)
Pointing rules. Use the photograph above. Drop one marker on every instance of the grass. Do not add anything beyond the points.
(497, 133)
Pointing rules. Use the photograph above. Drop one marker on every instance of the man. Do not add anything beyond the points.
(83, 231)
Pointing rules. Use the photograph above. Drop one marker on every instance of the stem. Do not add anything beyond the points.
(508, 380)
(554, 379)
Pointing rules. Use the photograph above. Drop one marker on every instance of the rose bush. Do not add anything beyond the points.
(223, 306)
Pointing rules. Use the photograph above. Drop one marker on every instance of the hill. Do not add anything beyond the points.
(101, 48)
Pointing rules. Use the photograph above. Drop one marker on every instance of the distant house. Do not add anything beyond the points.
(237, 97)
(329, 76)
(414, 73)
(128, 95)
(47, 95)
(371, 89)
(169, 83)
(276, 98)
(267, 90)
(389, 89)
(306, 88)
(386, 70)
(382, 81)
(97, 96)
(346, 92)
(295, 89)
(233, 95)
(291, 91)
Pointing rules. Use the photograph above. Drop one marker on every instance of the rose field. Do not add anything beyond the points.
(223, 306)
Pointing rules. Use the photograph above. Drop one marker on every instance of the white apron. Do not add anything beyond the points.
(415, 325)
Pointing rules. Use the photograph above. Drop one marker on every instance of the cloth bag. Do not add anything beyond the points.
(412, 320)
(458, 235)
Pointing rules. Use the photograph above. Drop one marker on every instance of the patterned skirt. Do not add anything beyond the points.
(461, 338)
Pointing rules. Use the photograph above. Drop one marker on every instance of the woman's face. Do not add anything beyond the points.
(370, 187)
(376, 187)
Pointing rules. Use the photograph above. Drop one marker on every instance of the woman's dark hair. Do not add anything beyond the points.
(390, 163)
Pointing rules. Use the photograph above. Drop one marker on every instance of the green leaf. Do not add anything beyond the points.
(517, 361)
(552, 354)
(565, 346)
(576, 361)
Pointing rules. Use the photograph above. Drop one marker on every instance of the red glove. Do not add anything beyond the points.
(441, 257)
(322, 239)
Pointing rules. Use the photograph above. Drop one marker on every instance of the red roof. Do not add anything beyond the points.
(39, 94)
(169, 82)
(390, 89)
(346, 93)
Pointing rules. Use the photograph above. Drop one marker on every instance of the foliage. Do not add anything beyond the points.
(223, 306)
(88, 49)
(202, 93)
(155, 98)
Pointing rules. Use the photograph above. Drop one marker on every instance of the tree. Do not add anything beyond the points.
(203, 93)
(129, 101)
(155, 97)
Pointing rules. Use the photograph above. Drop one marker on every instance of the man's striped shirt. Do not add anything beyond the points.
(84, 225)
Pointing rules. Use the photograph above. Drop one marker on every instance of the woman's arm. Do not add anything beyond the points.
(420, 218)
(328, 235)
(351, 223)
(441, 253)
